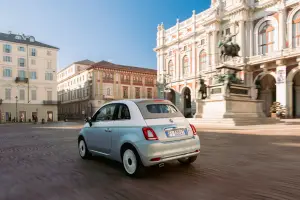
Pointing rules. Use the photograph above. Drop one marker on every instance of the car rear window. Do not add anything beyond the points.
(161, 108)
(156, 110)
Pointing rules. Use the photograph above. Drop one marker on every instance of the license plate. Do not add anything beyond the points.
(176, 133)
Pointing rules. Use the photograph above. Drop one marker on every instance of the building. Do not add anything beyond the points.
(27, 78)
(268, 33)
(84, 86)
(73, 89)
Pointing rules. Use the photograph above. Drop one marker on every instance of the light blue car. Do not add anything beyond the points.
(139, 133)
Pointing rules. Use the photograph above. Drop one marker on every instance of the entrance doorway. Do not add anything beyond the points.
(49, 116)
(267, 93)
(22, 116)
(296, 95)
(34, 116)
(171, 96)
(187, 103)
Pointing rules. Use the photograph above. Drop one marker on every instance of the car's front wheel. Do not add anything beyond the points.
(83, 150)
(188, 160)
(132, 163)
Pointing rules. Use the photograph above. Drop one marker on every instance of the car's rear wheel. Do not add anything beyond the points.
(83, 150)
(132, 163)
(188, 160)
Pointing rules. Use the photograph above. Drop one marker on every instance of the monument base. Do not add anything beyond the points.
(230, 111)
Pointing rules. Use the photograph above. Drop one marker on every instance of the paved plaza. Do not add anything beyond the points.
(42, 162)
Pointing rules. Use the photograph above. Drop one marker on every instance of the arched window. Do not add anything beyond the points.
(171, 69)
(266, 37)
(296, 29)
(108, 91)
(185, 65)
(202, 61)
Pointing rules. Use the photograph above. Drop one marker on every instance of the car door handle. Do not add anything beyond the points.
(108, 130)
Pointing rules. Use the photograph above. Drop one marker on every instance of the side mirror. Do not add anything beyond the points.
(88, 120)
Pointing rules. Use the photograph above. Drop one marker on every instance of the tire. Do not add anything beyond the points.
(187, 161)
(132, 163)
(83, 150)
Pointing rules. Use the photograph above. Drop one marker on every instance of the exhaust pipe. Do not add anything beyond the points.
(161, 164)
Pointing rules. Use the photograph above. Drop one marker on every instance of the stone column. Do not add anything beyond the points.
(289, 106)
(178, 64)
(297, 97)
(208, 51)
(214, 50)
(251, 36)
(158, 66)
(242, 37)
(233, 31)
(193, 58)
(282, 28)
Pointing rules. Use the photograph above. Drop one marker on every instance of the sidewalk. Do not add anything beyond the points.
(291, 123)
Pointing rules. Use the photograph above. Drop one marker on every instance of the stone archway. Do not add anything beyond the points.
(187, 102)
(267, 92)
(292, 81)
(296, 95)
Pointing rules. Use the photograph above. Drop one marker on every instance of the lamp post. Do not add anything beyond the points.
(16, 108)
(164, 84)
(1, 112)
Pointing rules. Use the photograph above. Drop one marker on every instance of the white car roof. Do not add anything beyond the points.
(139, 100)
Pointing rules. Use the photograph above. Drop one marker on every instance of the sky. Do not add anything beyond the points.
(119, 31)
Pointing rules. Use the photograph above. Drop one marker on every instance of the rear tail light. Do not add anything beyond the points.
(155, 159)
(149, 134)
(193, 129)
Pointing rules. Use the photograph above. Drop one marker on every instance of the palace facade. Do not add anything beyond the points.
(268, 33)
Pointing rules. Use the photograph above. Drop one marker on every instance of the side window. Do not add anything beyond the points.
(123, 112)
(106, 113)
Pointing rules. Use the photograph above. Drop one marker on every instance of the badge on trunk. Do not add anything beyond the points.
(171, 120)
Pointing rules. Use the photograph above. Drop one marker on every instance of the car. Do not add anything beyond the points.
(139, 133)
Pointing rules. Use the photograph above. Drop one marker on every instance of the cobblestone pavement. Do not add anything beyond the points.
(42, 162)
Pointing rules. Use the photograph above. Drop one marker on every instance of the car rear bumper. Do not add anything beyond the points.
(155, 152)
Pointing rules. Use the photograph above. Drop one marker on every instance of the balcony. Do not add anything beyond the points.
(108, 80)
(272, 56)
(50, 102)
(108, 97)
(21, 80)
(137, 82)
(264, 3)
(127, 82)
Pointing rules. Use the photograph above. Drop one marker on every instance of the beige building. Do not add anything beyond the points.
(89, 86)
(268, 33)
(73, 89)
(27, 79)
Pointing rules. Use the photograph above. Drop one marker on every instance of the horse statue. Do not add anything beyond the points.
(227, 48)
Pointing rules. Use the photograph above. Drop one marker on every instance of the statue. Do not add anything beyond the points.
(227, 48)
(203, 90)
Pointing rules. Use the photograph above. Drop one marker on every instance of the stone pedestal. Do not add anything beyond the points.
(230, 106)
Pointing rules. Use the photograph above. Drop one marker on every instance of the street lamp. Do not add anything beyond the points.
(164, 84)
(1, 111)
(16, 108)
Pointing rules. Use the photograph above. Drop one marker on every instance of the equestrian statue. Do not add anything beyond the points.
(227, 48)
